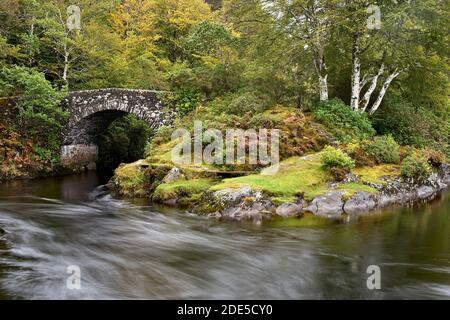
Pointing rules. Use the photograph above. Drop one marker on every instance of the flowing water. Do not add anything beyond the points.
(134, 250)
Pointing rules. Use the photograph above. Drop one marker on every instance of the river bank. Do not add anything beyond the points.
(301, 188)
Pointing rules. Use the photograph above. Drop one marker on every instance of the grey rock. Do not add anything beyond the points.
(233, 196)
(385, 200)
(350, 177)
(171, 202)
(257, 212)
(287, 210)
(425, 192)
(329, 205)
(173, 175)
(360, 202)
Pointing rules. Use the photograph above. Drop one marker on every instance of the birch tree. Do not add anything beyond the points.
(376, 48)
(310, 22)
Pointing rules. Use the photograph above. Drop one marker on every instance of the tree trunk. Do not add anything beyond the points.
(66, 61)
(366, 99)
(383, 90)
(323, 88)
(356, 74)
(321, 70)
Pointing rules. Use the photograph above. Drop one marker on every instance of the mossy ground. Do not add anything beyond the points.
(185, 191)
(296, 176)
(376, 173)
(301, 176)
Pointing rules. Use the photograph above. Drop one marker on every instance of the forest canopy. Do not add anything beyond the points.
(388, 60)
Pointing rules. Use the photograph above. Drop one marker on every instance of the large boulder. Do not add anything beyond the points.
(229, 197)
(360, 202)
(237, 204)
(287, 210)
(255, 212)
(329, 205)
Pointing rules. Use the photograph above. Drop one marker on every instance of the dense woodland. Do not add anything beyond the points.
(228, 66)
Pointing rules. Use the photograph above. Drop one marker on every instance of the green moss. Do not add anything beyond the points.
(162, 154)
(280, 200)
(128, 180)
(351, 189)
(296, 176)
(374, 174)
(188, 190)
(355, 187)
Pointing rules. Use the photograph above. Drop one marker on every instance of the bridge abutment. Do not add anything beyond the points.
(79, 155)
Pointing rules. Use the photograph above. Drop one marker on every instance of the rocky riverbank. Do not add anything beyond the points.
(247, 204)
(300, 188)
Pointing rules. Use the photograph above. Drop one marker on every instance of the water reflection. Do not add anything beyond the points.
(127, 250)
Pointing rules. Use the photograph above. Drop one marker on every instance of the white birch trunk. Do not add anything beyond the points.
(321, 70)
(323, 88)
(383, 90)
(356, 75)
(366, 99)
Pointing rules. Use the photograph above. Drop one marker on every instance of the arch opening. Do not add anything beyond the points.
(105, 139)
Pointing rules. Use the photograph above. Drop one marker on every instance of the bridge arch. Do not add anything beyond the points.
(92, 111)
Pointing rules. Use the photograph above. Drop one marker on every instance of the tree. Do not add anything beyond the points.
(309, 22)
(38, 102)
(385, 51)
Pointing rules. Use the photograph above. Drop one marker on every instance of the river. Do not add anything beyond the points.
(132, 250)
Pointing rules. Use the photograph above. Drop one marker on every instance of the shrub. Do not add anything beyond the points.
(242, 103)
(356, 151)
(337, 161)
(40, 114)
(343, 122)
(412, 125)
(163, 135)
(383, 149)
(416, 166)
(186, 100)
(434, 157)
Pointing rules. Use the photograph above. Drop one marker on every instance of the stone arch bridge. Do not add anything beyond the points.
(92, 111)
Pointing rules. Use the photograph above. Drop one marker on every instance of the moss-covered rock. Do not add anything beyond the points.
(128, 180)
(185, 193)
